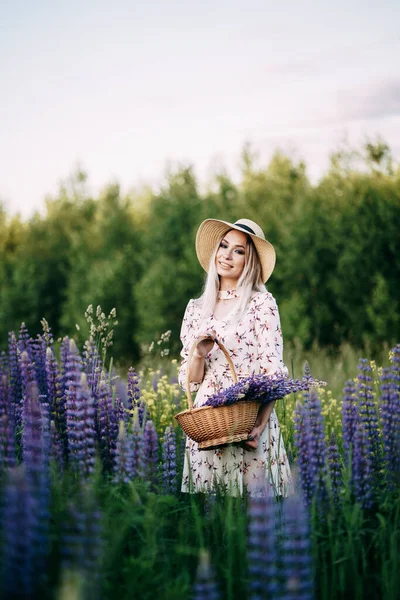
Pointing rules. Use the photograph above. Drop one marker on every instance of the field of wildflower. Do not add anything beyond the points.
(90, 465)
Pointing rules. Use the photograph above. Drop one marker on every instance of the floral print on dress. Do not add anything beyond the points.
(255, 346)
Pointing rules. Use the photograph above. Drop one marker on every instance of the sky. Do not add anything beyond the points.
(125, 89)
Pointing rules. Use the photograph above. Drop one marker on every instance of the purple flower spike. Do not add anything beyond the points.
(56, 398)
(27, 371)
(82, 543)
(335, 468)
(36, 444)
(263, 548)
(205, 587)
(311, 448)
(92, 365)
(39, 361)
(15, 381)
(108, 426)
(33, 437)
(124, 469)
(7, 440)
(133, 388)
(7, 443)
(148, 453)
(296, 556)
(80, 417)
(368, 412)
(169, 472)
(18, 527)
(261, 388)
(64, 357)
(390, 417)
(24, 341)
(362, 468)
(349, 417)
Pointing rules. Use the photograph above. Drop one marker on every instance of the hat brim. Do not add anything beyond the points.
(210, 233)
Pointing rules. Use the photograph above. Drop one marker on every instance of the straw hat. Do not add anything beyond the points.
(212, 230)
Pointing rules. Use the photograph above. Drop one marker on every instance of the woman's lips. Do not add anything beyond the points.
(225, 266)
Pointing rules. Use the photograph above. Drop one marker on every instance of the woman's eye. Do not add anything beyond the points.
(240, 251)
(222, 245)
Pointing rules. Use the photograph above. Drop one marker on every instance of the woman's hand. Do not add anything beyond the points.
(254, 437)
(205, 346)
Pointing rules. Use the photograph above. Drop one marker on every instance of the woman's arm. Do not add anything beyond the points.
(197, 364)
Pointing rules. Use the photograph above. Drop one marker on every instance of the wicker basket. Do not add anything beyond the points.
(213, 427)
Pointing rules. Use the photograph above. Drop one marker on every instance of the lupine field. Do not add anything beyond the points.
(90, 472)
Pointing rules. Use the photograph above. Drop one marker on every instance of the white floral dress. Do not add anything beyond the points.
(255, 346)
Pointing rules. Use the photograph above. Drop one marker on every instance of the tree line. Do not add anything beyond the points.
(337, 242)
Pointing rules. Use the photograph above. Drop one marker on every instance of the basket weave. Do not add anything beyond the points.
(212, 427)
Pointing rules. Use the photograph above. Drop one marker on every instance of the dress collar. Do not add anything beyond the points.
(227, 294)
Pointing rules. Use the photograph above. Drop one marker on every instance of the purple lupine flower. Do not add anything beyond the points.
(92, 365)
(390, 417)
(143, 413)
(123, 401)
(148, 453)
(133, 388)
(24, 340)
(18, 523)
(39, 362)
(16, 392)
(263, 548)
(124, 468)
(120, 413)
(7, 442)
(57, 399)
(311, 448)
(169, 472)
(308, 377)
(261, 388)
(368, 412)
(80, 417)
(7, 439)
(349, 417)
(108, 425)
(64, 356)
(35, 447)
(3, 362)
(317, 444)
(362, 468)
(33, 439)
(82, 537)
(205, 587)
(296, 557)
(28, 374)
(335, 468)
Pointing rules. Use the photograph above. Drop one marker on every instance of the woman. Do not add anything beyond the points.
(236, 309)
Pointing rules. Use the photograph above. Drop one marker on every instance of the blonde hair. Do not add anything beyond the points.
(249, 281)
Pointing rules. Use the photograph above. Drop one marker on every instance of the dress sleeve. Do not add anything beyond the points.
(269, 336)
(188, 335)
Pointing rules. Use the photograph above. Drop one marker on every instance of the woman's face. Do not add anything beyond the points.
(231, 255)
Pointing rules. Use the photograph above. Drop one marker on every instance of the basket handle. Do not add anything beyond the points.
(224, 350)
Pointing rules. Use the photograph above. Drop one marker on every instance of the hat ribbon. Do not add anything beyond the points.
(249, 229)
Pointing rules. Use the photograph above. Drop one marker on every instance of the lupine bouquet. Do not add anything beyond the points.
(262, 388)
